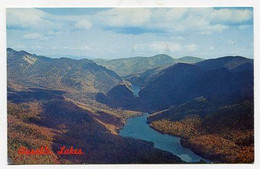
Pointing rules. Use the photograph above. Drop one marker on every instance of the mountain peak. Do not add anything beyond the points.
(11, 52)
(229, 62)
(161, 56)
(189, 59)
(63, 73)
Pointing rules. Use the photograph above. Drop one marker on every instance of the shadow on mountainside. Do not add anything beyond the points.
(78, 129)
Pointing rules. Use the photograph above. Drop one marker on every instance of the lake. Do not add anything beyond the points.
(137, 127)
(135, 89)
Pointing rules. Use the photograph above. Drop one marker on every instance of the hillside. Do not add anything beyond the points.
(224, 134)
(209, 104)
(220, 84)
(138, 65)
(119, 97)
(142, 78)
(81, 80)
(66, 74)
(52, 121)
(232, 63)
(189, 59)
(63, 101)
(126, 66)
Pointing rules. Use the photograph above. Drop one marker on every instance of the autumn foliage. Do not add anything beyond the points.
(224, 136)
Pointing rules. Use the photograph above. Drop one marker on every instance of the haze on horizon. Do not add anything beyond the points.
(129, 32)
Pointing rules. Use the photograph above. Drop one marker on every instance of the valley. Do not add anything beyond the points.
(206, 107)
(137, 127)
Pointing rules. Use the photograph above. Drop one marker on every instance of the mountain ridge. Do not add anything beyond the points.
(132, 65)
(194, 80)
(64, 73)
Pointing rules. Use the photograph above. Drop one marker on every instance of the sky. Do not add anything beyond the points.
(110, 33)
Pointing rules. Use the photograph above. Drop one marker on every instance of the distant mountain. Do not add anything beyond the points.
(189, 59)
(232, 63)
(126, 66)
(82, 76)
(75, 57)
(138, 65)
(142, 78)
(209, 104)
(183, 82)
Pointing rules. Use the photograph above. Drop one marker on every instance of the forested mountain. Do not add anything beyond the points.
(189, 59)
(63, 74)
(50, 120)
(142, 78)
(63, 101)
(128, 66)
(209, 104)
(224, 134)
(49, 104)
(183, 82)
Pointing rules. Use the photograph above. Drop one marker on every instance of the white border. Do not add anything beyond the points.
(125, 3)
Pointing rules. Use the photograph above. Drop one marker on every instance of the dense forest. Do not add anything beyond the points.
(223, 135)
(64, 102)
(56, 122)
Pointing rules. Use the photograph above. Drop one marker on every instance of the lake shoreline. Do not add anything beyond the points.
(182, 141)
(135, 89)
(138, 128)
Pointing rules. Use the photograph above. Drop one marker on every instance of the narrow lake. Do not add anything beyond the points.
(135, 89)
(137, 127)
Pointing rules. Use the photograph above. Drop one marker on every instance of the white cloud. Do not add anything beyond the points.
(165, 47)
(191, 47)
(83, 24)
(194, 19)
(23, 17)
(204, 20)
(84, 47)
(159, 47)
(244, 27)
(231, 15)
(29, 18)
(123, 17)
(34, 36)
(230, 42)
(179, 38)
(217, 28)
(169, 30)
(54, 33)
(206, 32)
(168, 14)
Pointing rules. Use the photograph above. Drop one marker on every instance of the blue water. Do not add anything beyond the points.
(135, 89)
(138, 128)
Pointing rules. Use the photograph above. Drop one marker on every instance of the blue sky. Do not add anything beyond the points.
(128, 32)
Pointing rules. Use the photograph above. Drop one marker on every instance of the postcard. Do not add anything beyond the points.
(130, 85)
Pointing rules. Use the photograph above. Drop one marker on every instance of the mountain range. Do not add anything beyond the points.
(128, 66)
(222, 80)
(209, 103)
(51, 102)
(63, 74)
